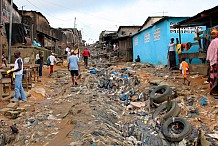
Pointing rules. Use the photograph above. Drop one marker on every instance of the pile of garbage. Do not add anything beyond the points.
(114, 106)
(123, 85)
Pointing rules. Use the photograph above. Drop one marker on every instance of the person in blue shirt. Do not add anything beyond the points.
(73, 67)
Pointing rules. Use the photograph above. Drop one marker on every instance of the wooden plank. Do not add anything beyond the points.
(193, 55)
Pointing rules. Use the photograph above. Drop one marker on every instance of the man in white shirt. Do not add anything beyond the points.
(53, 61)
(67, 50)
(18, 71)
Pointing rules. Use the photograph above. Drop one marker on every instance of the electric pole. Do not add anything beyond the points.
(75, 22)
(164, 13)
(10, 33)
(1, 47)
(1, 3)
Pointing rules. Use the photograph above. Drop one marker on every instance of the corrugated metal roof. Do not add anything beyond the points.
(120, 27)
(207, 18)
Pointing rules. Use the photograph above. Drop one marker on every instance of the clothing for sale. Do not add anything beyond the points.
(179, 48)
(187, 46)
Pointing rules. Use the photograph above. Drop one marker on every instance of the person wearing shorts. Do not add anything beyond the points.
(73, 67)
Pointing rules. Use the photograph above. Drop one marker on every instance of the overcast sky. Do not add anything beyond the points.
(94, 16)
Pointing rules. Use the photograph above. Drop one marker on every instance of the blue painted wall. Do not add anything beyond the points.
(154, 50)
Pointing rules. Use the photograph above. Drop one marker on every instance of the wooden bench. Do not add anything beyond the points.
(6, 82)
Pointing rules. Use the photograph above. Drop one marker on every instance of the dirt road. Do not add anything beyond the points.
(61, 115)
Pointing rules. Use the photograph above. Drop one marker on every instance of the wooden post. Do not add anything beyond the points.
(1, 47)
(180, 39)
(1, 91)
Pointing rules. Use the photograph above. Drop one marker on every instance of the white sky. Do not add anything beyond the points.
(94, 16)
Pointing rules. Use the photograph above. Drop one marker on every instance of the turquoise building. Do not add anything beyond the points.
(151, 42)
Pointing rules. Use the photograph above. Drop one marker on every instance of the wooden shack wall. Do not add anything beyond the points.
(125, 49)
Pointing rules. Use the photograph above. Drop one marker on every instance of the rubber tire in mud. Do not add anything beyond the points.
(2, 139)
(176, 137)
(173, 112)
(161, 97)
(151, 89)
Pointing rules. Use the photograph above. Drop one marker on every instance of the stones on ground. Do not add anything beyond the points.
(12, 114)
(2, 111)
(13, 105)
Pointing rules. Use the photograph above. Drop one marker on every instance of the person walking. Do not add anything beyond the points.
(184, 68)
(18, 71)
(86, 54)
(39, 61)
(212, 57)
(171, 54)
(52, 63)
(73, 67)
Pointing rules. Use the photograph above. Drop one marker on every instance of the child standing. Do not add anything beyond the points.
(184, 67)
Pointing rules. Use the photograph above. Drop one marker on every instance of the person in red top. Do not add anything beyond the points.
(86, 54)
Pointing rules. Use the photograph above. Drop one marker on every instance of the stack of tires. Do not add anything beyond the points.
(173, 128)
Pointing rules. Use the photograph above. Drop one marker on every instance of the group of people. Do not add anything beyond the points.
(212, 58)
(73, 67)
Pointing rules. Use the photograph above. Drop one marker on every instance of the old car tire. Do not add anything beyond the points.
(2, 139)
(151, 89)
(176, 137)
(173, 112)
(159, 98)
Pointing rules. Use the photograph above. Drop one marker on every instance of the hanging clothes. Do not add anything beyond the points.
(183, 46)
(179, 48)
(187, 46)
